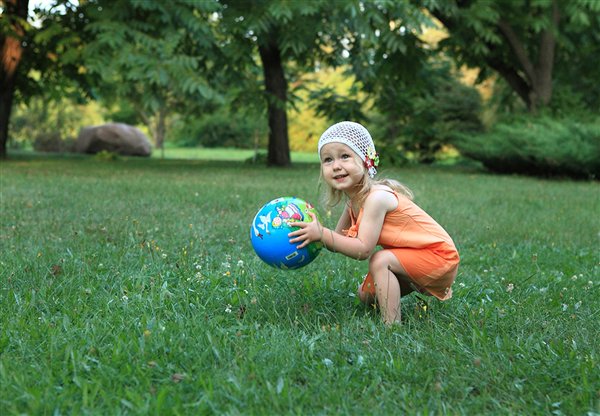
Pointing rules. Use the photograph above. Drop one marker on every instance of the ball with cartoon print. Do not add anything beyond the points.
(270, 228)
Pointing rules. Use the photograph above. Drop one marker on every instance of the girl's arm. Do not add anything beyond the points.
(376, 206)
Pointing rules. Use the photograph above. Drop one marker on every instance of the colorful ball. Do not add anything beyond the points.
(270, 228)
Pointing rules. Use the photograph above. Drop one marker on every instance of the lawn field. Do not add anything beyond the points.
(221, 154)
(130, 287)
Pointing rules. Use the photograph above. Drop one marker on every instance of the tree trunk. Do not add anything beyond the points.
(276, 88)
(15, 11)
(161, 131)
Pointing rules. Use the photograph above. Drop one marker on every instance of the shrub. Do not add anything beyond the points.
(221, 129)
(537, 146)
(52, 142)
(427, 119)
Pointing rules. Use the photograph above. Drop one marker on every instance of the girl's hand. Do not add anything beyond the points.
(308, 232)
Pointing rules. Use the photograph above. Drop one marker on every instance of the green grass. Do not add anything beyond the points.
(130, 287)
(221, 154)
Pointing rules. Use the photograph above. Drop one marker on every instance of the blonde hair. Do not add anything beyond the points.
(332, 196)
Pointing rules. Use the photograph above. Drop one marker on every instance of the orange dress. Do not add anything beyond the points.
(421, 245)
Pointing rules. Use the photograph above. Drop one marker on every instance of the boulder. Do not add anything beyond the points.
(119, 138)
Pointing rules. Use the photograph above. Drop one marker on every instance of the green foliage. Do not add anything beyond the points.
(223, 128)
(131, 287)
(535, 46)
(156, 56)
(335, 106)
(46, 121)
(52, 66)
(53, 142)
(538, 146)
(106, 156)
(448, 108)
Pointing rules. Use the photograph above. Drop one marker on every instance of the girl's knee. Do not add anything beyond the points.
(378, 261)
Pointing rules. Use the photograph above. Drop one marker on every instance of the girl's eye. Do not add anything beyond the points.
(327, 160)
(345, 156)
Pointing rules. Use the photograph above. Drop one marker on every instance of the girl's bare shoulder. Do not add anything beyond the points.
(382, 196)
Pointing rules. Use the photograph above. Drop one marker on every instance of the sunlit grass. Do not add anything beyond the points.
(130, 286)
(222, 154)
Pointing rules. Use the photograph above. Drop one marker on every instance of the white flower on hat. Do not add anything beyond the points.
(355, 136)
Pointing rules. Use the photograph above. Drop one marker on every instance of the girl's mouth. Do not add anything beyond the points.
(339, 177)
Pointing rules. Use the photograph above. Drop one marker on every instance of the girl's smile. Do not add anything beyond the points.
(341, 168)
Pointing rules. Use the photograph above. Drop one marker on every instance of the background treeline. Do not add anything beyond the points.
(510, 83)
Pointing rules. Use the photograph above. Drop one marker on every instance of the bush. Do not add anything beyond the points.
(52, 142)
(537, 146)
(418, 123)
(222, 129)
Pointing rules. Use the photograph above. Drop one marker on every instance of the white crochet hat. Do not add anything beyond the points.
(357, 138)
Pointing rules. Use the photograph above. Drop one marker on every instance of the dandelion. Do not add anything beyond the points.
(510, 287)
(124, 298)
(461, 284)
(228, 308)
(327, 362)
(147, 333)
(164, 255)
(564, 307)
(574, 277)
(577, 305)
(240, 263)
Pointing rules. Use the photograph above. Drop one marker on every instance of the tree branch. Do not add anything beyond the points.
(518, 48)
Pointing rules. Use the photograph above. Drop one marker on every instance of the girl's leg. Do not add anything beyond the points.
(391, 283)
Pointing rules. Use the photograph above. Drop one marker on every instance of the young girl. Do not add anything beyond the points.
(417, 253)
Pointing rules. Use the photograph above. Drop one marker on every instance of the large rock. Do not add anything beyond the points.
(118, 138)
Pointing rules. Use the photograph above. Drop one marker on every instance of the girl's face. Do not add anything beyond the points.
(341, 167)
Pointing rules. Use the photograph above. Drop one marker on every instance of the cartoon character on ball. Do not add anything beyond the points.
(270, 228)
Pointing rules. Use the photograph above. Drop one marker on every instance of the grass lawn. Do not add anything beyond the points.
(131, 287)
(219, 154)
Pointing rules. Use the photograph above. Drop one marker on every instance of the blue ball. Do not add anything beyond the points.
(269, 233)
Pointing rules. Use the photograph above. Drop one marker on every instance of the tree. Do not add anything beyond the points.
(381, 47)
(12, 32)
(289, 39)
(156, 56)
(518, 39)
(50, 66)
